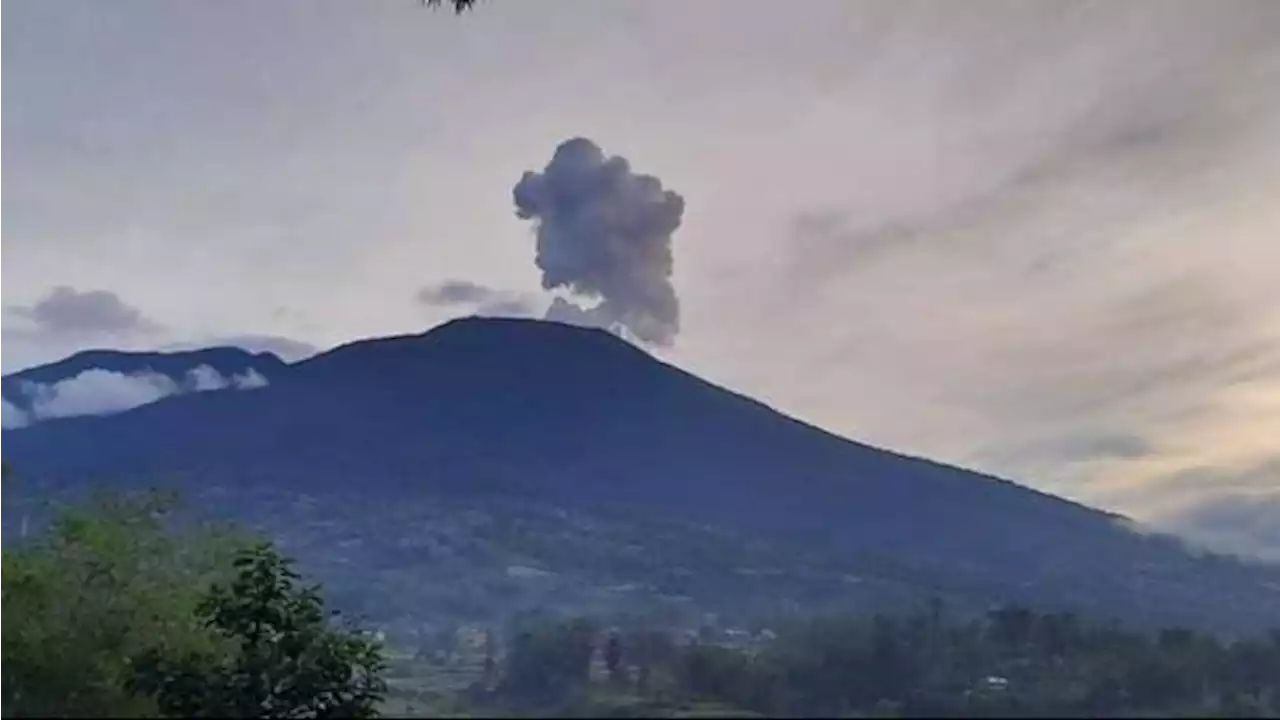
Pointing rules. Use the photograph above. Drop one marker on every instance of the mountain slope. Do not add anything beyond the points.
(577, 418)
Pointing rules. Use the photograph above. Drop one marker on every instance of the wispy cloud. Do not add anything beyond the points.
(13, 416)
(1237, 511)
(455, 292)
(481, 299)
(96, 392)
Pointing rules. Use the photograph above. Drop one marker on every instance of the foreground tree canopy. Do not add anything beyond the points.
(126, 608)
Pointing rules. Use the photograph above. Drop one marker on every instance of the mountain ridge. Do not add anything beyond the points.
(579, 418)
(227, 361)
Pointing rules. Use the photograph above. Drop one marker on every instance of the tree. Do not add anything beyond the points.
(549, 663)
(280, 656)
(613, 657)
(5, 474)
(7, 486)
(92, 591)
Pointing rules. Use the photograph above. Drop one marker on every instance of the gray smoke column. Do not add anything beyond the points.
(604, 233)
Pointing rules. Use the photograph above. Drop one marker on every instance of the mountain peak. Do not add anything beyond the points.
(477, 339)
(476, 325)
(481, 333)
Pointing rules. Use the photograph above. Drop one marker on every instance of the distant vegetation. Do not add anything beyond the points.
(1013, 663)
(124, 607)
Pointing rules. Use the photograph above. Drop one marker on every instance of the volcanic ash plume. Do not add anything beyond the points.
(604, 233)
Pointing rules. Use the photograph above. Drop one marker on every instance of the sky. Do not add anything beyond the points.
(1040, 240)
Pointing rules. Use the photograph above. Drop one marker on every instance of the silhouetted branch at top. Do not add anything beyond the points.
(458, 5)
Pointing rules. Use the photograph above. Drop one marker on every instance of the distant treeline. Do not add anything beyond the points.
(1013, 662)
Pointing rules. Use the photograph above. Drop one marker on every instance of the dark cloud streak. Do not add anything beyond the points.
(455, 292)
(484, 300)
(66, 311)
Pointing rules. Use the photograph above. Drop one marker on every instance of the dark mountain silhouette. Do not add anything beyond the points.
(580, 418)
